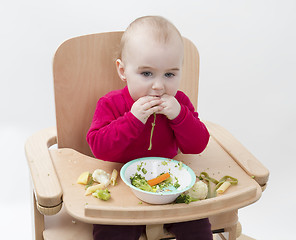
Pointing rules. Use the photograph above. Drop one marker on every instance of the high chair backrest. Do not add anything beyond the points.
(84, 70)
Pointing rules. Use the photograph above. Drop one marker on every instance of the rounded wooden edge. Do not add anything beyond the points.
(263, 187)
(46, 184)
(48, 211)
(238, 229)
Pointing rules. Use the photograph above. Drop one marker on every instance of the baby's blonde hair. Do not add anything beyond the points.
(161, 28)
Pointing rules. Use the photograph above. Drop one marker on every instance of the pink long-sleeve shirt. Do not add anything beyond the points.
(117, 135)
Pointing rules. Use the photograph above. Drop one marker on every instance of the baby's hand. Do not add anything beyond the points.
(170, 106)
(145, 106)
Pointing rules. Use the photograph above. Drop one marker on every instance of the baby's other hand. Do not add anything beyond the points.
(170, 106)
(145, 106)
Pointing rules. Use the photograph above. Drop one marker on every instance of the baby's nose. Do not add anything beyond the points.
(157, 84)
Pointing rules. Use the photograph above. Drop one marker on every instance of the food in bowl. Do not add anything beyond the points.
(138, 173)
(162, 183)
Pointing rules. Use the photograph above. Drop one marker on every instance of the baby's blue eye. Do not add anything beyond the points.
(169, 75)
(147, 74)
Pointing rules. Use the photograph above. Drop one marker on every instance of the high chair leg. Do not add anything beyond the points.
(154, 232)
(232, 232)
(38, 221)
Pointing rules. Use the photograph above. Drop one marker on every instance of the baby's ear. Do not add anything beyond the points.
(120, 69)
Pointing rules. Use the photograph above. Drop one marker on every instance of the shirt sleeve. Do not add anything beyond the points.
(110, 132)
(191, 134)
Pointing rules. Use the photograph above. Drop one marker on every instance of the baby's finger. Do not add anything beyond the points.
(152, 104)
(147, 99)
(154, 109)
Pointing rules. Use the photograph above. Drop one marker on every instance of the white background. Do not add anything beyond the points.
(247, 85)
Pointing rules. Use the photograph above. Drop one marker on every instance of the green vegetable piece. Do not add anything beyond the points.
(152, 129)
(183, 198)
(102, 194)
(205, 176)
(232, 180)
(140, 182)
(139, 166)
(177, 185)
(144, 170)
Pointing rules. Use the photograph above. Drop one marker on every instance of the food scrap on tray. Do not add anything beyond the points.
(96, 183)
(202, 189)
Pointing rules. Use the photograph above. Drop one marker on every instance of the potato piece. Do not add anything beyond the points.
(83, 178)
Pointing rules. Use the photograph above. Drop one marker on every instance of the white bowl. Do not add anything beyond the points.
(155, 166)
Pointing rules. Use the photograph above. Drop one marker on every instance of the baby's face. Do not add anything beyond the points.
(152, 67)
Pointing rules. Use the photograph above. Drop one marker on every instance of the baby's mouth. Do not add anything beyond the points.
(154, 95)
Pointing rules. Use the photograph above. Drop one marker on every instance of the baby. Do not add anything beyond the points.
(150, 116)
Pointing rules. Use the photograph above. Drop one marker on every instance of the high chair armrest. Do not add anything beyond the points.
(239, 153)
(48, 191)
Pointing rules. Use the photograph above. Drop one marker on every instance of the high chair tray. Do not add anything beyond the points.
(125, 208)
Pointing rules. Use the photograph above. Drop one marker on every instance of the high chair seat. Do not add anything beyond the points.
(84, 70)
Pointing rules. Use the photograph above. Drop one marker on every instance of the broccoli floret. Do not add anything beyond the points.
(102, 194)
(140, 182)
(184, 198)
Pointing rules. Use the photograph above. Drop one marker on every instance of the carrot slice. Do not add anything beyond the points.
(158, 179)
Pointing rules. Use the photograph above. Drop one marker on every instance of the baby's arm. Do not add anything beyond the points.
(191, 134)
(112, 131)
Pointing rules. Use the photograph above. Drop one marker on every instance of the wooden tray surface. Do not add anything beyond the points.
(125, 208)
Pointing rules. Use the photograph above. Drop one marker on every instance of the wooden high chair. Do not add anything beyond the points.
(84, 70)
